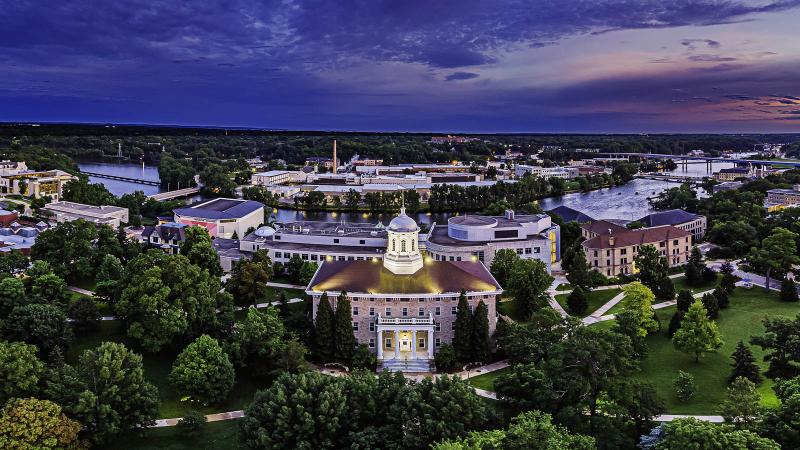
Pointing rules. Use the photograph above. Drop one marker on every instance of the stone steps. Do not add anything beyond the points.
(407, 365)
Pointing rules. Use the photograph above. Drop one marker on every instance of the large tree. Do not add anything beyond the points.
(248, 283)
(778, 252)
(258, 341)
(691, 433)
(579, 271)
(781, 344)
(741, 405)
(20, 370)
(165, 297)
(577, 301)
(117, 397)
(781, 423)
(638, 300)
(744, 365)
(31, 423)
(68, 248)
(12, 294)
(203, 371)
(303, 411)
(324, 330)
(343, 338)
(217, 182)
(694, 267)
(503, 264)
(698, 334)
(527, 283)
(44, 326)
(462, 336)
(198, 248)
(479, 328)
(652, 267)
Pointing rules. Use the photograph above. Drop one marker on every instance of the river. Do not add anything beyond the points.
(622, 202)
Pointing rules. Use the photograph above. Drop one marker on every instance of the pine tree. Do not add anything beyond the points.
(344, 340)
(666, 290)
(722, 297)
(685, 300)
(698, 334)
(577, 302)
(789, 291)
(579, 271)
(728, 282)
(283, 304)
(323, 330)
(675, 323)
(461, 335)
(480, 333)
(711, 305)
(744, 364)
(694, 267)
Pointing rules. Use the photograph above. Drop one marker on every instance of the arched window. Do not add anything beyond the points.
(394, 248)
(403, 245)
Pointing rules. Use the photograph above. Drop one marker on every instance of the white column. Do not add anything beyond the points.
(414, 344)
(380, 344)
(396, 344)
(430, 343)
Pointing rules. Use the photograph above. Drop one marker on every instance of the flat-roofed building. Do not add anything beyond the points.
(565, 173)
(35, 184)
(70, 211)
(274, 177)
(318, 241)
(404, 307)
(733, 174)
(479, 238)
(612, 253)
(782, 198)
(222, 217)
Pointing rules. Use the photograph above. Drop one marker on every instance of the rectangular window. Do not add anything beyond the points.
(437, 326)
(422, 311)
(505, 234)
(421, 343)
(388, 312)
(355, 310)
(595, 253)
(372, 343)
(355, 326)
(453, 326)
(314, 257)
(341, 258)
(454, 310)
(305, 256)
(388, 343)
(405, 312)
(437, 311)
(519, 251)
(372, 326)
(623, 251)
(372, 311)
(336, 241)
(528, 250)
(438, 341)
(278, 254)
(362, 242)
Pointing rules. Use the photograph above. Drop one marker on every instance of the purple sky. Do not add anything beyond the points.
(407, 65)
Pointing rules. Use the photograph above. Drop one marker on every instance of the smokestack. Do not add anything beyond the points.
(334, 156)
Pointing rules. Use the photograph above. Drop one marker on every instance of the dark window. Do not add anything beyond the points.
(504, 234)
(335, 241)
(362, 242)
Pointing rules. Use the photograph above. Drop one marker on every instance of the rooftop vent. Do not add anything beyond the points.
(509, 214)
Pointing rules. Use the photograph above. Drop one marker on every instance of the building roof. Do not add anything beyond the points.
(403, 223)
(570, 215)
(641, 236)
(272, 173)
(219, 208)
(669, 217)
(735, 170)
(166, 231)
(371, 277)
(602, 227)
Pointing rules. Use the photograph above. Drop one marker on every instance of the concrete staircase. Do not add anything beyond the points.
(407, 365)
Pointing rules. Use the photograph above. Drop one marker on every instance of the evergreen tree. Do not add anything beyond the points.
(789, 291)
(675, 323)
(666, 290)
(579, 275)
(711, 305)
(744, 365)
(577, 302)
(344, 340)
(461, 334)
(728, 282)
(694, 267)
(283, 305)
(653, 267)
(685, 300)
(722, 297)
(480, 333)
(709, 276)
(698, 334)
(323, 330)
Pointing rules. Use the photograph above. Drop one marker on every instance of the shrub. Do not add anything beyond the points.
(788, 291)
(684, 386)
(363, 358)
(192, 423)
(445, 358)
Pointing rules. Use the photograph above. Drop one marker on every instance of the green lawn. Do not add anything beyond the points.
(680, 284)
(223, 435)
(595, 299)
(509, 307)
(564, 287)
(486, 381)
(740, 321)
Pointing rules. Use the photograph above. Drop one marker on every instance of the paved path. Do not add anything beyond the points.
(81, 291)
(599, 314)
(286, 285)
(551, 297)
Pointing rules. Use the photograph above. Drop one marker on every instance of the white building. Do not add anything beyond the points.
(565, 173)
(69, 211)
(479, 238)
(222, 217)
(274, 177)
(404, 309)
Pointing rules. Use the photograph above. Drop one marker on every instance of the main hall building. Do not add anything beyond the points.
(404, 305)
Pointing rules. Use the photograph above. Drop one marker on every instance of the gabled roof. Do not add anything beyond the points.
(371, 277)
(641, 236)
(669, 217)
(602, 227)
(219, 208)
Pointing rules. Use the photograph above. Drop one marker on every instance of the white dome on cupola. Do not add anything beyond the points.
(402, 245)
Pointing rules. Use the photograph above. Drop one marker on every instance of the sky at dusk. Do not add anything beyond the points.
(406, 65)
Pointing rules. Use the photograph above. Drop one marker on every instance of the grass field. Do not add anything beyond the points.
(509, 307)
(223, 435)
(740, 321)
(564, 287)
(595, 299)
(486, 381)
(680, 284)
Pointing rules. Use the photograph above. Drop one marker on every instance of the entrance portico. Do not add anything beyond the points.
(405, 338)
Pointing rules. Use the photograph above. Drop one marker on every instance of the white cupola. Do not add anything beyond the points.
(402, 248)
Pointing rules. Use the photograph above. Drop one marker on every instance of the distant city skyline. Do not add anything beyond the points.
(467, 66)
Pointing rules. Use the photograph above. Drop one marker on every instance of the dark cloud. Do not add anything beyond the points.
(692, 44)
(710, 58)
(455, 76)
